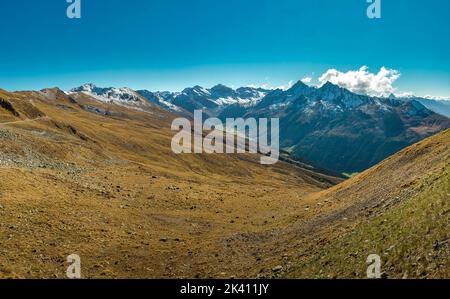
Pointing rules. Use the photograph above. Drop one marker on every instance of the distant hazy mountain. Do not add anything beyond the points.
(437, 105)
(329, 126)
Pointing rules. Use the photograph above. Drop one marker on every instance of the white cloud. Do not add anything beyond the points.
(272, 87)
(429, 97)
(362, 81)
(287, 86)
(404, 95)
(306, 80)
(439, 98)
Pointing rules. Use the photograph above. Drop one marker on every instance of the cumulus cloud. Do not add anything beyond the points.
(439, 98)
(287, 86)
(362, 81)
(306, 80)
(272, 87)
(404, 95)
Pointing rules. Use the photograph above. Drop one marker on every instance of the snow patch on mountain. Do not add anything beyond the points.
(162, 99)
(122, 95)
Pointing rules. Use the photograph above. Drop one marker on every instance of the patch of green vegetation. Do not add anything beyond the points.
(290, 149)
(350, 175)
(412, 239)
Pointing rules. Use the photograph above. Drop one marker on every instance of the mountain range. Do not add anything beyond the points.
(328, 126)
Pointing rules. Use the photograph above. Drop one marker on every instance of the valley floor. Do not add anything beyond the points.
(133, 222)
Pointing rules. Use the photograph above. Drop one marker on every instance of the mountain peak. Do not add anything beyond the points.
(123, 95)
(52, 89)
(299, 87)
(299, 83)
(392, 96)
(88, 87)
(197, 90)
(330, 86)
(221, 86)
(222, 91)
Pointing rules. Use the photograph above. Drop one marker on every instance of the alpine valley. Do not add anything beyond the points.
(90, 172)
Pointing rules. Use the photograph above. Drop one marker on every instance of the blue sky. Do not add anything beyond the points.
(172, 44)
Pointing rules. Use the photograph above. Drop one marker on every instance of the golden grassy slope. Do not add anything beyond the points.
(399, 210)
(110, 189)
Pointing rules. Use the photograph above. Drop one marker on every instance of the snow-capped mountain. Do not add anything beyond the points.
(124, 95)
(346, 132)
(213, 101)
(330, 96)
(162, 99)
(244, 96)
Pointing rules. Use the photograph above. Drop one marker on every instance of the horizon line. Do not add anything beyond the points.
(263, 86)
